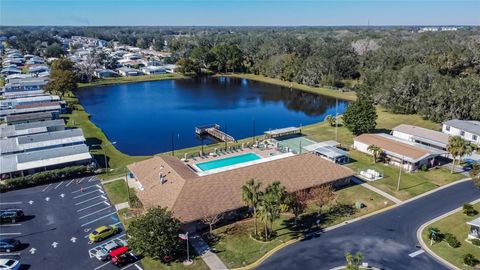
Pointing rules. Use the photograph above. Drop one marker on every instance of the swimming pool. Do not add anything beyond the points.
(219, 163)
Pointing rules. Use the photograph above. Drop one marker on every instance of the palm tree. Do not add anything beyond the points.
(251, 196)
(458, 147)
(376, 152)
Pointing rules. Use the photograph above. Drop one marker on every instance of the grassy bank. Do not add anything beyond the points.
(315, 90)
(456, 225)
(132, 79)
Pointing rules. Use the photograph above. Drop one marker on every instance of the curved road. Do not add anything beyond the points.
(386, 239)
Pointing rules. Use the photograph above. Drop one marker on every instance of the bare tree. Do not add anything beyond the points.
(323, 196)
(211, 220)
(86, 67)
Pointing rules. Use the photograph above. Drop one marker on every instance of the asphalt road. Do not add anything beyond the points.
(386, 240)
(59, 218)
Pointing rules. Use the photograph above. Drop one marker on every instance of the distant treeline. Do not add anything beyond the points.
(434, 74)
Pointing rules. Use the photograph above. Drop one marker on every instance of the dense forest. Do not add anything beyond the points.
(435, 74)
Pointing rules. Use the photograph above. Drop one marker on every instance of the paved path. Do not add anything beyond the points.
(376, 190)
(121, 206)
(388, 240)
(202, 249)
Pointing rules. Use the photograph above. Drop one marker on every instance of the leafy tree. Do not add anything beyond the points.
(62, 78)
(376, 152)
(297, 203)
(251, 195)
(434, 235)
(269, 206)
(188, 66)
(470, 260)
(54, 50)
(469, 210)
(353, 262)
(360, 116)
(323, 196)
(458, 147)
(155, 234)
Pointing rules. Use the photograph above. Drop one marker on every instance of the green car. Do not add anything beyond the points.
(103, 232)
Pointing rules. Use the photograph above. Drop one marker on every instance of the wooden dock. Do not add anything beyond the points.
(215, 132)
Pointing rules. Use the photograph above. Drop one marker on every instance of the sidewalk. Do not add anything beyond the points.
(202, 249)
(376, 190)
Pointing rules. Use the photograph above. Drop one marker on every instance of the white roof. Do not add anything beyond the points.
(314, 146)
(475, 222)
(282, 130)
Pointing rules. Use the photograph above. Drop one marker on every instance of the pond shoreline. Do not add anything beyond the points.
(120, 159)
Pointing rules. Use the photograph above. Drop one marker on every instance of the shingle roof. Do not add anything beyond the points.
(394, 146)
(465, 125)
(194, 197)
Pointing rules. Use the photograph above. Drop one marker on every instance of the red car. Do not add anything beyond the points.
(121, 256)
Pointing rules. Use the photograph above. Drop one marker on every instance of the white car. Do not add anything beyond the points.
(9, 264)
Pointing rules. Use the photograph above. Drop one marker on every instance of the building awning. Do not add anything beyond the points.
(313, 147)
(331, 152)
(475, 222)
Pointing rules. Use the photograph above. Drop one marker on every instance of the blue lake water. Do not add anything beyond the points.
(142, 117)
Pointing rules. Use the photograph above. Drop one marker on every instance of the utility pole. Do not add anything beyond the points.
(253, 132)
(173, 145)
(400, 175)
(226, 136)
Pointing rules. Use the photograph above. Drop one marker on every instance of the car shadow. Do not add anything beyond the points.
(23, 246)
(24, 267)
(28, 217)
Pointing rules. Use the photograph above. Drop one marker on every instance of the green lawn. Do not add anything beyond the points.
(151, 264)
(411, 184)
(132, 79)
(456, 225)
(316, 90)
(236, 248)
(116, 191)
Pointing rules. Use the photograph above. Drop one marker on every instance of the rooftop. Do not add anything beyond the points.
(424, 134)
(29, 117)
(29, 128)
(465, 125)
(192, 197)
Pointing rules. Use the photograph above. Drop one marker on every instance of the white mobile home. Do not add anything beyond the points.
(467, 129)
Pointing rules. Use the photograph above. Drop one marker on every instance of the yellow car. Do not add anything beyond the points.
(103, 232)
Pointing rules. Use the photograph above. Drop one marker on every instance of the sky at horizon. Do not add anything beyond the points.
(238, 12)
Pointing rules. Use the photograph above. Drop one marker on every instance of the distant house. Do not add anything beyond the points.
(467, 129)
(153, 70)
(126, 71)
(38, 69)
(428, 137)
(10, 70)
(104, 73)
(399, 152)
(170, 68)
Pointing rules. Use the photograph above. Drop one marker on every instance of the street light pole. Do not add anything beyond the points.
(173, 145)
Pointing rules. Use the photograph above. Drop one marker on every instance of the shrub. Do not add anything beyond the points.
(45, 177)
(476, 242)
(470, 260)
(452, 240)
(469, 210)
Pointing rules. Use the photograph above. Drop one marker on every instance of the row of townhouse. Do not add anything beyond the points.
(33, 137)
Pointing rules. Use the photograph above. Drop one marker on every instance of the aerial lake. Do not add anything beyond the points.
(143, 118)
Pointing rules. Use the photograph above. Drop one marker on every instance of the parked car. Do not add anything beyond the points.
(103, 232)
(9, 264)
(9, 245)
(11, 215)
(104, 253)
(121, 257)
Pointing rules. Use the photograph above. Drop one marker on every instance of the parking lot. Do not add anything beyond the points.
(58, 219)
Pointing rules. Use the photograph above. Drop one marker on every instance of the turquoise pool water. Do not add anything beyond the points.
(219, 163)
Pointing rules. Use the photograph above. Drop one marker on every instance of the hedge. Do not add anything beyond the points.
(45, 177)
(451, 240)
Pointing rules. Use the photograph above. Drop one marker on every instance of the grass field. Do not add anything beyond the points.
(236, 248)
(116, 191)
(456, 225)
(132, 79)
(316, 90)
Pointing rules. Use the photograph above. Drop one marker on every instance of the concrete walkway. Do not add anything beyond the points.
(202, 249)
(121, 206)
(376, 190)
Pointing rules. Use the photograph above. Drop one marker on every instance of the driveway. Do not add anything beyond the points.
(387, 240)
(59, 217)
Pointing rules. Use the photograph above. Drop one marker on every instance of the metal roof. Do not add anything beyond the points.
(43, 158)
(29, 128)
(29, 116)
(282, 131)
(313, 147)
(41, 140)
(424, 134)
(475, 222)
(52, 106)
(465, 125)
(331, 152)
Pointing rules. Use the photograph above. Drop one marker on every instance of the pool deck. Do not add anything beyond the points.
(266, 154)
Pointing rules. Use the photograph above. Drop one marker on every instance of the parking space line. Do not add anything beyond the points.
(93, 213)
(97, 219)
(83, 188)
(93, 178)
(58, 185)
(43, 190)
(10, 254)
(102, 265)
(5, 203)
(138, 267)
(10, 225)
(70, 182)
(90, 206)
(13, 233)
(92, 198)
(85, 194)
